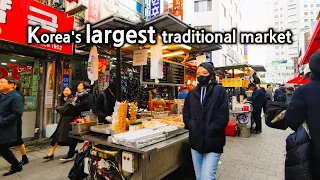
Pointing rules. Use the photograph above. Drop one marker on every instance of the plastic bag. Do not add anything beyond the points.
(77, 171)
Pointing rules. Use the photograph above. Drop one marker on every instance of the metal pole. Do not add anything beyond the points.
(118, 75)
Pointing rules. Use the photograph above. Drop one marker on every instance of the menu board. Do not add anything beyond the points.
(173, 74)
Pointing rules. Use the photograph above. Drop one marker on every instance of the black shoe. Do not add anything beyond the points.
(24, 161)
(49, 157)
(256, 132)
(67, 158)
(13, 171)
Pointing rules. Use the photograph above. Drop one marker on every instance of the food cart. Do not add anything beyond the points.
(155, 144)
(236, 79)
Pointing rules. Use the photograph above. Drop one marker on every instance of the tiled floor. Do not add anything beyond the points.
(258, 157)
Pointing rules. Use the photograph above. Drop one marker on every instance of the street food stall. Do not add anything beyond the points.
(236, 79)
(141, 144)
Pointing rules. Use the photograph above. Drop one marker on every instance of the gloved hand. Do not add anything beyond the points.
(108, 119)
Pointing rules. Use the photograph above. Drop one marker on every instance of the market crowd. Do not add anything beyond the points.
(205, 114)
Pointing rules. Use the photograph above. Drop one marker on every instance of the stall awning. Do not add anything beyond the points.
(170, 23)
(313, 46)
(257, 68)
(299, 80)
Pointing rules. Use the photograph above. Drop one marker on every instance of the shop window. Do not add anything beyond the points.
(311, 5)
(139, 8)
(305, 6)
(276, 3)
(305, 20)
(305, 13)
(202, 5)
(276, 16)
(318, 5)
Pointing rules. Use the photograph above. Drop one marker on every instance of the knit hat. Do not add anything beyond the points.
(209, 67)
(315, 63)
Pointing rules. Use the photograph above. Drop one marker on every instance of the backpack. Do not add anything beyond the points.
(275, 108)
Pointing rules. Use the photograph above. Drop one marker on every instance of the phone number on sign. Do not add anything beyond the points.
(52, 46)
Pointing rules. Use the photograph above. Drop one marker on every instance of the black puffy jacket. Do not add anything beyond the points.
(298, 158)
(206, 123)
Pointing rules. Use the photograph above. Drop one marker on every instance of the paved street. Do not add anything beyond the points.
(259, 157)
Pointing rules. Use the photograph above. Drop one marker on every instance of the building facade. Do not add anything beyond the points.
(298, 16)
(217, 16)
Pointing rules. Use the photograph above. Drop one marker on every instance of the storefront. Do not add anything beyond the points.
(33, 64)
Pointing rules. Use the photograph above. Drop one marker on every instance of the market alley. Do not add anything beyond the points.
(258, 157)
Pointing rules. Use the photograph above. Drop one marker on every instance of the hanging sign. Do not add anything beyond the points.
(65, 78)
(94, 11)
(154, 8)
(93, 71)
(246, 52)
(178, 9)
(18, 14)
(140, 57)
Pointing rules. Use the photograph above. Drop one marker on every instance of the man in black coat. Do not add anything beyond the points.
(258, 99)
(105, 102)
(304, 106)
(11, 109)
(206, 115)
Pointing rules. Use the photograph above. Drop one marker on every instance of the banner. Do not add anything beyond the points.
(65, 78)
(246, 52)
(94, 11)
(155, 8)
(93, 71)
(178, 9)
(16, 15)
(102, 65)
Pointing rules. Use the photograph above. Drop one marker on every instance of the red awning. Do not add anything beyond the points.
(299, 80)
(313, 46)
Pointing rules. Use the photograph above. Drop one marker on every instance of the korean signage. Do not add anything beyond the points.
(16, 15)
(155, 8)
(15, 71)
(246, 52)
(178, 9)
(65, 78)
(94, 11)
(296, 65)
(140, 57)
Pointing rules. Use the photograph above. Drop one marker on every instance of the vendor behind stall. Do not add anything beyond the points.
(105, 102)
(257, 99)
(154, 93)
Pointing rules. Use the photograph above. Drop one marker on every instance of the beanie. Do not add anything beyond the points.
(209, 67)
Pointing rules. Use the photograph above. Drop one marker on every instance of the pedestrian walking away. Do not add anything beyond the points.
(206, 115)
(11, 109)
(304, 106)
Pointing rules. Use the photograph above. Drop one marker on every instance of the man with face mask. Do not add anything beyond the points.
(206, 115)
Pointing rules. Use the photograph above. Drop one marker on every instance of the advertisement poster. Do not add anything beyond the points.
(30, 12)
(178, 9)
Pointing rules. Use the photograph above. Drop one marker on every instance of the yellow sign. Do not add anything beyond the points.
(245, 57)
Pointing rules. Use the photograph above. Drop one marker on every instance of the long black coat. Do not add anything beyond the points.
(11, 109)
(67, 114)
(206, 123)
(104, 105)
(84, 103)
(304, 106)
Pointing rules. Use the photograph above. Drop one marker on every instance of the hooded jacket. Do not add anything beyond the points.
(304, 106)
(280, 94)
(207, 122)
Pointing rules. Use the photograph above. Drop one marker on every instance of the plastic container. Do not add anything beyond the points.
(231, 129)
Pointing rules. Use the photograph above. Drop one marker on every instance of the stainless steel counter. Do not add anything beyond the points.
(155, 161)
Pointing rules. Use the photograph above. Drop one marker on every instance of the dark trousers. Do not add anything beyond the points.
(8, 156)
(316, 168)
(72, 147)
(264, 107)
(257, 117)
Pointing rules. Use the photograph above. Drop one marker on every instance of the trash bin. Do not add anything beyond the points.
(244, 125)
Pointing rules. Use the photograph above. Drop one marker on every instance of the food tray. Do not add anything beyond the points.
(142, 143)
(78, 128)
(102, 129)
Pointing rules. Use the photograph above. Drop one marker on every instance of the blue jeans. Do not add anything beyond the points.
(205, 165)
